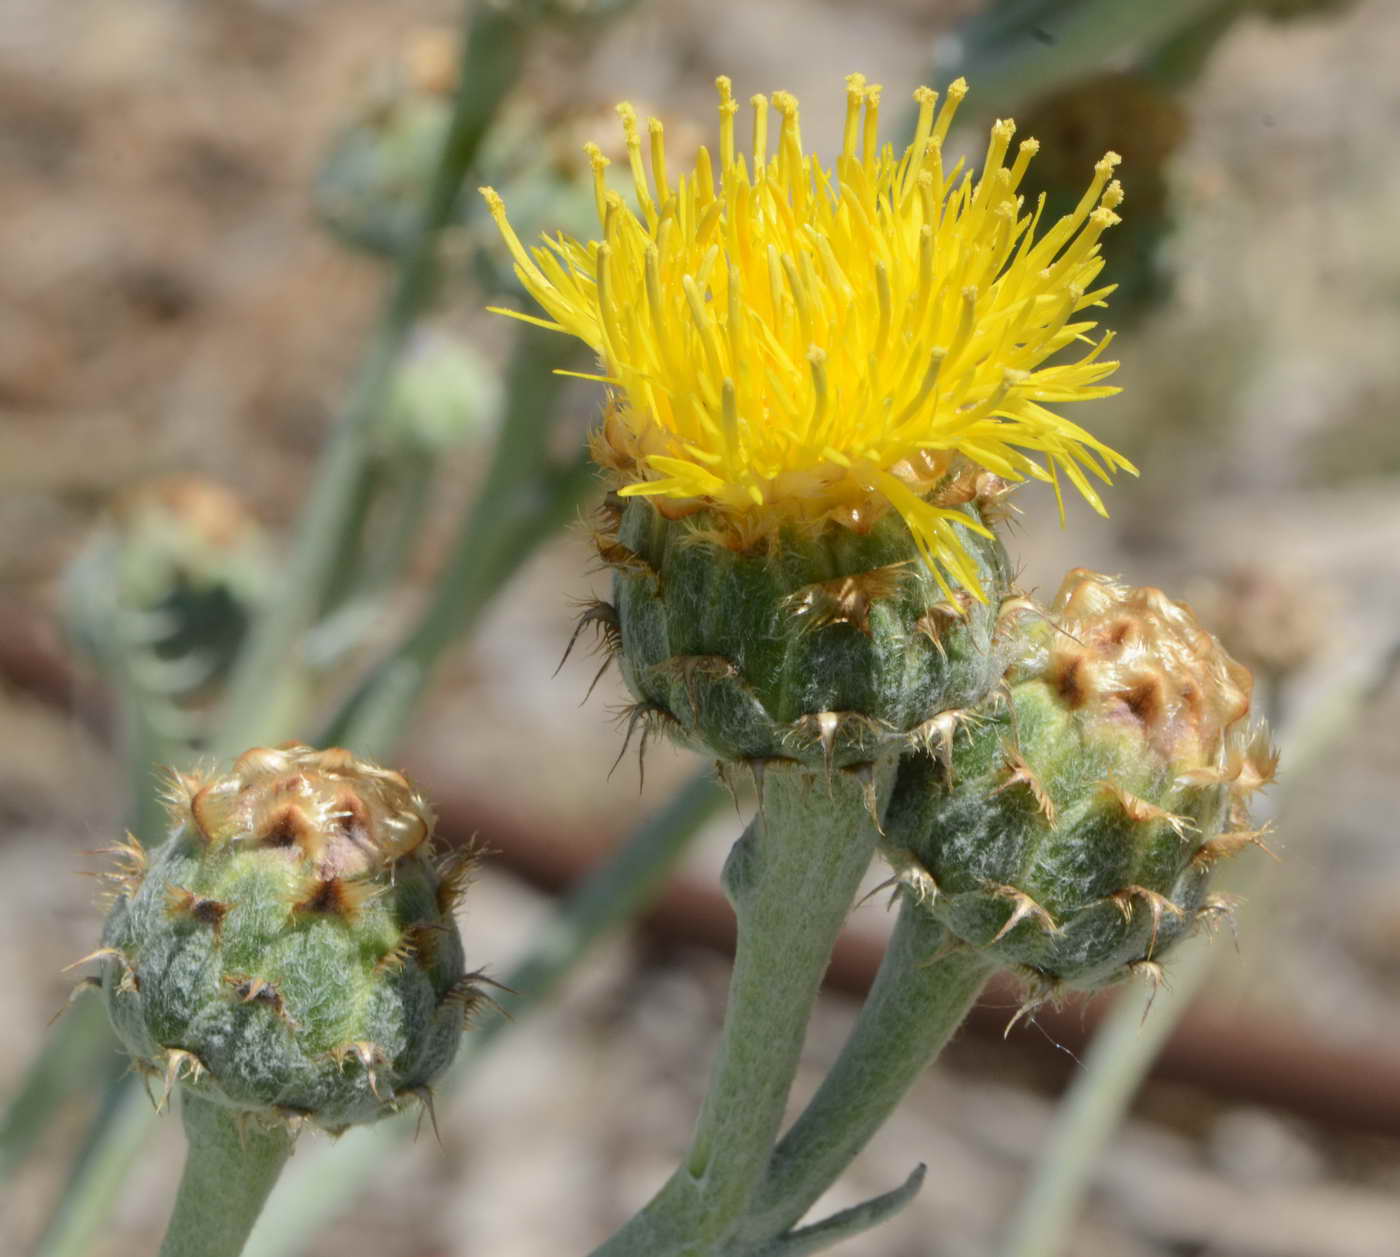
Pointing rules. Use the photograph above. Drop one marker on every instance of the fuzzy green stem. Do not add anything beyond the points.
(914, 1006)
(231, 1167)
(791, 878)
(326, 1180)
(491, 59)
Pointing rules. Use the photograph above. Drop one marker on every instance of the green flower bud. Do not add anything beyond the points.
(290, 949)
(378, 168)
(444, 394)
(1068, 825)
(828, 644)
(171, 581)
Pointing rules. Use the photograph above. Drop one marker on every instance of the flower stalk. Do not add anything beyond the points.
(921, 995)
(232, 1166)
(791, 878)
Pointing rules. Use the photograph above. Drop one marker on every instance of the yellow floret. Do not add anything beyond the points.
(791, 343)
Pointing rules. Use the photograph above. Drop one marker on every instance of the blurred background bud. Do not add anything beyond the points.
(171, 579)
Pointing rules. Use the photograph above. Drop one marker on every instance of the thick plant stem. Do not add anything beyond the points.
(791, 878)
(491, 58)
(919, 999)
(229, 1171)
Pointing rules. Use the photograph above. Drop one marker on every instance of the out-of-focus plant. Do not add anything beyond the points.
(169, 583)
(1046, 59)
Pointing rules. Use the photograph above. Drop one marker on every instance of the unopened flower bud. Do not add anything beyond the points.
(290, 949)
(1070, 823)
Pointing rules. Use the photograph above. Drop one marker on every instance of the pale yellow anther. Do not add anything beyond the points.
(494, 204)
(1025, 150)
(957, 89)
(760, 134)
(728, 107)
(786, 104)
(599, 164)
(869, 147)
(658, 159)
(926, 98)
(628, 113)
(855, 95)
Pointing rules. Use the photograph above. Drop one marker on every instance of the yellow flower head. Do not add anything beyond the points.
(788, 343)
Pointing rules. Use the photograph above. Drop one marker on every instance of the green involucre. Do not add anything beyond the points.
(1068, 825)
(290, 951)
(825, 645)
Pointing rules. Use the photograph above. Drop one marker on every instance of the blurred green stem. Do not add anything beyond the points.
(324, 1181)
(920, 997)
(1180, 60)
(526, 497)
(81, 1048)
(271, 661)
(113, 1145)
(791, 878)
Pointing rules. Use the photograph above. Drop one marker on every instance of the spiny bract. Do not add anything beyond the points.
(833, 648)
(290, 949)
(1069, 824)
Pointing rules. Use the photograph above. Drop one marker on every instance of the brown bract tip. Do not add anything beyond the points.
(180, 902)
(332, 896)
(847, 599)
(455, 877)
(1022, 774)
